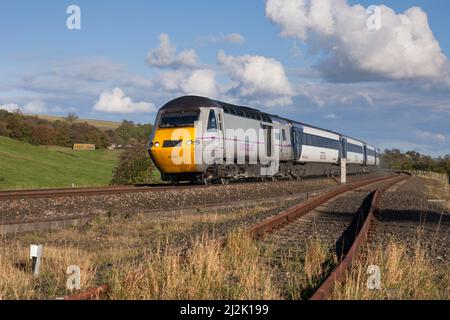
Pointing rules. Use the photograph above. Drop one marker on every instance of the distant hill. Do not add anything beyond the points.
(100, 124)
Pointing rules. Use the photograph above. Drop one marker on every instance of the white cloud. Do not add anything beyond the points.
(165, 55)
(436, 137)
(234, 38)
(200, 82)
(332, 116)
(258, 77)
(10, 107)
(32, 107)
(35, 107)
(404, 48)
(115, 101)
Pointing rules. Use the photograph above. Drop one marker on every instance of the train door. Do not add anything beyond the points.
(297, 142)
(221, 128)
(215, 136)
(365, 155)
(269, 142)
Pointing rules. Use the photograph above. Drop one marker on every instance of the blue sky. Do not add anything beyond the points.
(390, 86)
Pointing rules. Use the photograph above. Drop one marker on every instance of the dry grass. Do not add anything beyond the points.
(125, 245)
(180, 257)
(298, 274)
(206, 271)
(404, 275)
(437, 191)
(18, 282)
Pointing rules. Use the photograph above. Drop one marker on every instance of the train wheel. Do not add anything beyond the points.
(224, 181)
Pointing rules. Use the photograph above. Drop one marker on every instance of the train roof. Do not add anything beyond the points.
(186, 102)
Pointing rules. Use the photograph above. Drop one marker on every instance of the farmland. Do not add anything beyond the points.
(100, 124)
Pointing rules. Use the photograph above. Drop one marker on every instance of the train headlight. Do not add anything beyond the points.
(189, 142)
(156, 144)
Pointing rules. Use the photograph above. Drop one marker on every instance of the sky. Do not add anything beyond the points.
(381, 75)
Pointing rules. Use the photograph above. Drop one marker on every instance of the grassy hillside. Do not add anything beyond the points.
(23, 166)
(100, 124)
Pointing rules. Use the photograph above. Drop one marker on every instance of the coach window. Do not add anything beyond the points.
(283, 132)
(212, 122)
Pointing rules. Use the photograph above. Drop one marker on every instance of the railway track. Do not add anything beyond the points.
(292, 214)
(95, 292)
(350, 229)
(92, 191)
(16, 226)
(106, 190)
(324, 292)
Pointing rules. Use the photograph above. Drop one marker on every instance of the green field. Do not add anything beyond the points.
(23, 166)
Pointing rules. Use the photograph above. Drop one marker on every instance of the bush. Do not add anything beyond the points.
(135, 167)
(42, 135)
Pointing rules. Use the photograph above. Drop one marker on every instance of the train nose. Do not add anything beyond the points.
(173, 150)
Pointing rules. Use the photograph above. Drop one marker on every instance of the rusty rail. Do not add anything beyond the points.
(338, 275)
(295, 212)
(89, 294)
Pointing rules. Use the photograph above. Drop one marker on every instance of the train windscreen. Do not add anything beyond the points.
(185, 119)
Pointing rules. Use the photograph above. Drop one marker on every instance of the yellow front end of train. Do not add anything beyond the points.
(173, 143)
(173, 150)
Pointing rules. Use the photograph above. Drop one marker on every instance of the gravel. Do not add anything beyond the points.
(331, 224)
(407, 217)
(130, 203)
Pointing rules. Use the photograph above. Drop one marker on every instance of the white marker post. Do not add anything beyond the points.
(343, 171)
(35, 256)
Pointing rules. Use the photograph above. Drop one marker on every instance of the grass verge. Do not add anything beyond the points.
(23, 166)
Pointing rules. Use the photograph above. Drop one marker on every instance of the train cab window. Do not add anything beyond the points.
(175, 119)
(212, 122)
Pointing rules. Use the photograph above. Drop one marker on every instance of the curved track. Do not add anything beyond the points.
(292, 214)
(338, 275)
(342, 229)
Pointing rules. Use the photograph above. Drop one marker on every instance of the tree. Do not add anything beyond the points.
(17, 127)
(43, 135)
(128, 131)
(4, 131)
(135, 167)
(63, 137)
(71, 117)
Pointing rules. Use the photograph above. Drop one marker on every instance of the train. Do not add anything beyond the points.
(202, 140)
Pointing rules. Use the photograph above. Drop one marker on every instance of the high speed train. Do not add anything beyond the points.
(198, 139)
